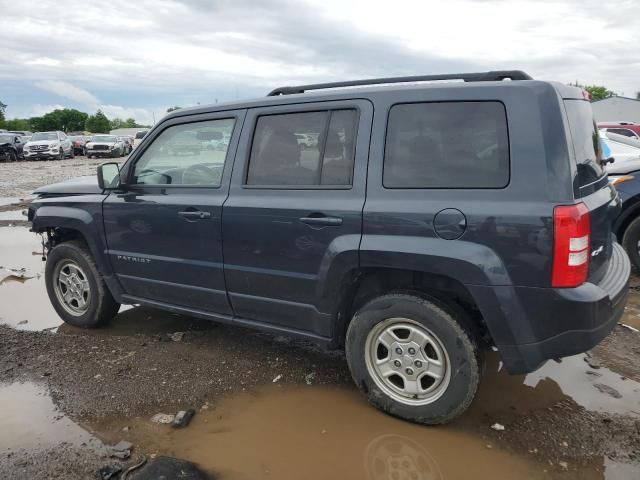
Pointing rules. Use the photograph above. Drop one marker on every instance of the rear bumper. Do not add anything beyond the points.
(532, 325)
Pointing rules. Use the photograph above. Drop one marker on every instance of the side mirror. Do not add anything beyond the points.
(109, 176)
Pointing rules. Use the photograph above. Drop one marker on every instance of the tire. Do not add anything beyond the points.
(62, 155)
(439, 401)
(73, 258)
(631, 242)
(12, 157)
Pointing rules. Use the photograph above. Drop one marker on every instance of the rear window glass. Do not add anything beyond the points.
(447, 145)
(586, 142)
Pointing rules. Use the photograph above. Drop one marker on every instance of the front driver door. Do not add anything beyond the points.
(163, 229)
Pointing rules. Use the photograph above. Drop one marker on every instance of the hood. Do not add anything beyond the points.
(40, 142)
(101, 143)
(74, 186)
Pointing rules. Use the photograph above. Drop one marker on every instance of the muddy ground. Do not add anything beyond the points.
(269, 407)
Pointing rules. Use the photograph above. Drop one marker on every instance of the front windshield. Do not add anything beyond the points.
(6, 139)
(104, 138)
(44, 136)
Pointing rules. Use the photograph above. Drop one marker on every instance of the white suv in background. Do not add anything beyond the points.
(138, 138)
(49, 146)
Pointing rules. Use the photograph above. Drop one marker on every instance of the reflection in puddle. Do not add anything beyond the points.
(393, 456)
(31, 420)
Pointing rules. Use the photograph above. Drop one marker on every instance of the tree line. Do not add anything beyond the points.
(67, 120)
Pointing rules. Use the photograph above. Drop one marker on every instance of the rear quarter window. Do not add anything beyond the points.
(586, 142)
(447, 145)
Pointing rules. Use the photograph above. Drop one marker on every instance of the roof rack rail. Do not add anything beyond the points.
(493, 76)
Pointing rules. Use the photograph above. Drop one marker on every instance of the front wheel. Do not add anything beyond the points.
(76, 289)
(413, 359)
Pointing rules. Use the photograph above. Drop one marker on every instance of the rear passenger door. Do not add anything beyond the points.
(293, 217)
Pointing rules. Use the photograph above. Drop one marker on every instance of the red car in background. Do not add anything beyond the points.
(628, 129)
(79, 143)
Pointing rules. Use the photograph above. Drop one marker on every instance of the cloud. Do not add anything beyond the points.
(69, 91)
(141, 57)
(38, 110)
(142, 115)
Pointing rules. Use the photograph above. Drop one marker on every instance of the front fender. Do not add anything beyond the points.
(82, 214)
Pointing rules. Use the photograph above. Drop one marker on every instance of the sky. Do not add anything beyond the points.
(135, 58)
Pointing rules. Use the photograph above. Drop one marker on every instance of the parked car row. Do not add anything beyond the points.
(56, 145)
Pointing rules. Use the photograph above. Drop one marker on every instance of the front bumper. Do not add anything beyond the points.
(41, 154)
(531, 325)
(101, 153)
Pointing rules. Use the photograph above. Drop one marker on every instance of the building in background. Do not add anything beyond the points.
(616, 109)
(128, 131)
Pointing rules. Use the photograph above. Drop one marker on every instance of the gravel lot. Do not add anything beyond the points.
(576, 419)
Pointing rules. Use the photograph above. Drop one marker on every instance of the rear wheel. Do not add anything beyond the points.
(76, 289)
(13, 157)
(631, 242)
(413, 359)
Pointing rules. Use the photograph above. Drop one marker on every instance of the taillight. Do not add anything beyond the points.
(571, 240)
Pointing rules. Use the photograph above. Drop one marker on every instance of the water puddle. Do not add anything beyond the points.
(32, 421)
(12, 215)
(4, 201)
(320, 433)
(24, 298)
(631, 315)
(599, 390)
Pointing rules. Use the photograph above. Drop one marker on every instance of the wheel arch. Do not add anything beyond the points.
(361, 285)
(68, 223)
(630, 211)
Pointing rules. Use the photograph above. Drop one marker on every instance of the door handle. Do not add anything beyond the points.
(195, 214)
(322, 221)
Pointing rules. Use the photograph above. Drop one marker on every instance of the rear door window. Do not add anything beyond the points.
(447, 145)
(586, 142)
(304, 149)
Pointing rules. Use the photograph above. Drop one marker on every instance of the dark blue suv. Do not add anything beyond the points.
(414, 224)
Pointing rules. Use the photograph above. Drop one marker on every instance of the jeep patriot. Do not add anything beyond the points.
(413, 223)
